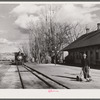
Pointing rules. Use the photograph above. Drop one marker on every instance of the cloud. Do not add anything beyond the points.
(25, 14)
(5, 41)
(70, 13)
(24, 20)
(3, 31)
(26, 9)
(7, 46)
(2, 16)
(88, 5)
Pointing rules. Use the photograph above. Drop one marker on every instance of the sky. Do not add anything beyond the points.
(17, 15)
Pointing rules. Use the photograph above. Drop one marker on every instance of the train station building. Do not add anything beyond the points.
(88, 43)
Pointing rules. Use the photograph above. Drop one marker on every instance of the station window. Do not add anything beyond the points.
(91, 52)
(87, 53)
(77, 55)
(97, 54)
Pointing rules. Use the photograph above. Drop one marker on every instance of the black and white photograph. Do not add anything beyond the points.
(49, 45)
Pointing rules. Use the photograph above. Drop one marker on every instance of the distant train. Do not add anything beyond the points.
(20, 58)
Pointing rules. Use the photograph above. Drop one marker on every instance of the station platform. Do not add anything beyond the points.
(66, 75)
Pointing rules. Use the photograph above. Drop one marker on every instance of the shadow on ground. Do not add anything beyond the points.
(64, 76)
(72, 78)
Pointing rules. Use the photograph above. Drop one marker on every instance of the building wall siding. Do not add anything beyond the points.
(93, 55)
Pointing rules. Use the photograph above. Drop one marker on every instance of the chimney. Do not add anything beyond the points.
(98, 26)
(87, 30)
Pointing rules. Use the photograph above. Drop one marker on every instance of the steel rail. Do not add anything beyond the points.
(40, 78)
(47, 77)
(20, 78)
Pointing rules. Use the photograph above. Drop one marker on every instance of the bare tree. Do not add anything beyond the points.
(48, 35)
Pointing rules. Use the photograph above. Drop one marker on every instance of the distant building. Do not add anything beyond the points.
(88, 43)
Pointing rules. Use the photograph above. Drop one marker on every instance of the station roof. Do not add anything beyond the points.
(89, 39)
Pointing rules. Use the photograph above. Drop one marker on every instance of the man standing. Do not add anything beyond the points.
(85, 67)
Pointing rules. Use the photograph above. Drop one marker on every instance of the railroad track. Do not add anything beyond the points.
(20, 77)
(44, 78)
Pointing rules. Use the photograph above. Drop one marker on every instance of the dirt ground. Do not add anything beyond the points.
(67, 75)
(9, 78)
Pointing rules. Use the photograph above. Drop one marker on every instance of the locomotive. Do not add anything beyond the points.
(20, 58)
